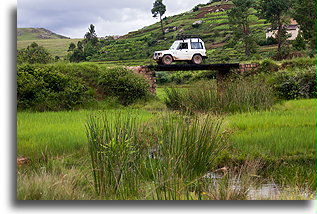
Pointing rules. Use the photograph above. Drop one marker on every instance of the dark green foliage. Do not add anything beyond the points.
(184, 77)
(276, 12)
(295, 84)
(298, 63)
(44, 88)
(239, 20)
(299, 43)
(33, 54)
(268, 66)
(86, 48)
(304, 11)
(123, 84)
(196, 8)
(269, 41)
(162, 78)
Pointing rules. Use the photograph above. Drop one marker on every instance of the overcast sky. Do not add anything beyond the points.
(110, 17)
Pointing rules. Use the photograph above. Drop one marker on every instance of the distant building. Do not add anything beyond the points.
(292, 29)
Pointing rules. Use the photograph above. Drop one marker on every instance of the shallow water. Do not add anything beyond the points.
(264, 191)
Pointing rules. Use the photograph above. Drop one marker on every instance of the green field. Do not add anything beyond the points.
(57, 142)
(56, 47)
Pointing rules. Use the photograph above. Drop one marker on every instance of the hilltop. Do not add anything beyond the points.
(37, 33)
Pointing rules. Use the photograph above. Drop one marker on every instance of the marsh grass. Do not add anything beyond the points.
(115, 154)
(186, 151)
(183, 151)
(237, 95)
(61, 170)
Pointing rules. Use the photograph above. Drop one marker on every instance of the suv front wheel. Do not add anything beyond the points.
(167, 59)
(197, 59)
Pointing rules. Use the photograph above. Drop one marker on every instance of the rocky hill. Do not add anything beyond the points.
(36, 34)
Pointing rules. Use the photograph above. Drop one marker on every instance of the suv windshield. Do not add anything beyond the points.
(174, 46)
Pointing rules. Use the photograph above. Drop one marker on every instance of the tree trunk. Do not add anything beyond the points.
(246, 32)
(161, 24)
(247, 48)
(279, 39)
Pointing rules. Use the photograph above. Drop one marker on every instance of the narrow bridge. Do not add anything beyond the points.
(223, 68)
(222, 71)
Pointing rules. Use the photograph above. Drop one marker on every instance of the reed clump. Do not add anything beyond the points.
(235, 95)
(171, 167)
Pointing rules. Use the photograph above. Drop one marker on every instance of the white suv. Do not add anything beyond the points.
(191, 50)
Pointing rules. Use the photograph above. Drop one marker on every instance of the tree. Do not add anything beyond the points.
(34, 54)
(86, 48)
(71, 47)
(159, 9)
(91, 36)
(304, 13)
(277, 13)
(239, 21)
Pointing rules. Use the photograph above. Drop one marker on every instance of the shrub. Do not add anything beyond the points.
(295, 84)
(299, 43)
(123, 84)
(268, 66)
(44, 88)
(34, 54)
(162, 77)
(298, 63)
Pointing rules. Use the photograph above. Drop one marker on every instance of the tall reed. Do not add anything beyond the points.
(115, 154)
(237, 95)
(186, 151)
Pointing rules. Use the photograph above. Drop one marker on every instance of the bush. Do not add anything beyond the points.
(43, 88)
(268, 66)
(295, 84)
(162, 77)
(123, 84)
(33, 54)
(298, 63)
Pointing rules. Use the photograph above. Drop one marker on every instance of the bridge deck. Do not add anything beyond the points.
(191, 67)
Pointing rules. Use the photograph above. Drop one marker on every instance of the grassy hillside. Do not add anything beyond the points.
(37, 33)
(56, 47)
(139, 45)
(214, 30)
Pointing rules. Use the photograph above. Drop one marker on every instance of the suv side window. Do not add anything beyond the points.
(183, 45)
(196, 45)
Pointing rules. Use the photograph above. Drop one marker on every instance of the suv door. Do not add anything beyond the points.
(182, 52)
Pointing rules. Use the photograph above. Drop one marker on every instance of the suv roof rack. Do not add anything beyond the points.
(184, 36)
